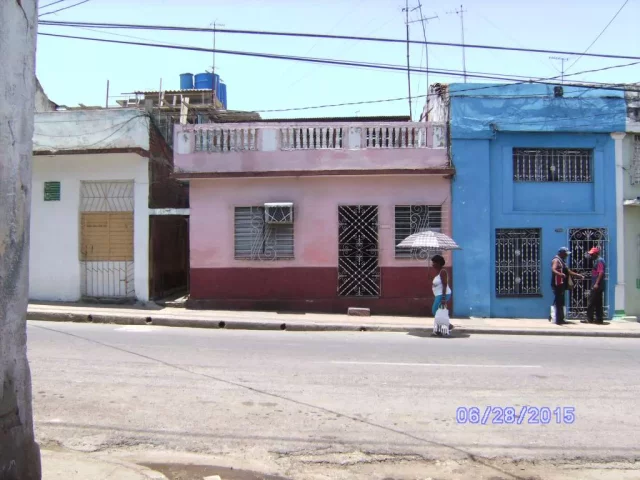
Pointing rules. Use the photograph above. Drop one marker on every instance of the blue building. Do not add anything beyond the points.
(535, 171)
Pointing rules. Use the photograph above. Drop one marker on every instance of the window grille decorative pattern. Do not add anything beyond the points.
(553, 165)
(412, 219)
(256, 240)
(358, 269)
(581, 240)
(517, 262)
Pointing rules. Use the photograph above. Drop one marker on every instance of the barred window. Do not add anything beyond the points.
(518, 262)
(635, 161)
(256, 240)
(412, 219)
(553, 165)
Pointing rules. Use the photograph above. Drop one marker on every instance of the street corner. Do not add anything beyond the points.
(61, 465)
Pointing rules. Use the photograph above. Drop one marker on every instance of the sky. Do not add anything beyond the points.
(75, 71)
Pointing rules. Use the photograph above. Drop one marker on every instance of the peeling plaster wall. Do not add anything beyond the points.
(66, 130)
(19, 455)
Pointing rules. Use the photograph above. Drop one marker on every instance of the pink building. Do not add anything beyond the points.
(304, 216)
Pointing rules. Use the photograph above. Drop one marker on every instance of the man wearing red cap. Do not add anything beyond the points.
(596, 298)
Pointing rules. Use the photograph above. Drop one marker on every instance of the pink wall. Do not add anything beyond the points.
(316, 201)
(312, 160)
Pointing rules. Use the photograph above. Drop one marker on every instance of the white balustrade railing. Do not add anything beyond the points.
(221, 138)
(311, 138)
(225, 139)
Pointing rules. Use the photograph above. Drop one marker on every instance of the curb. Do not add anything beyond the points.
(301, 326)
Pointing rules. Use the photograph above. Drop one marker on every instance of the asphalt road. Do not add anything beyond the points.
(319, 395)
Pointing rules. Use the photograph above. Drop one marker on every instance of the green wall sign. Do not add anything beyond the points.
(51, 191)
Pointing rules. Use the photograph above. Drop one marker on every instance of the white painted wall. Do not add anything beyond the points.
(91, 129)
(55, 226)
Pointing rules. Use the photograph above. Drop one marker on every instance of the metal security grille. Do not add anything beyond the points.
(581, 240)
(552, 165)
(256, 240)
(106, 239)
(517, 262)
(412, 219)
(358, 270)
(635, 161)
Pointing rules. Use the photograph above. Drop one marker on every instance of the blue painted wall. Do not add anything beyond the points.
(487, 122)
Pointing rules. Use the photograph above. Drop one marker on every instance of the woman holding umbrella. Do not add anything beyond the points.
(441, 289)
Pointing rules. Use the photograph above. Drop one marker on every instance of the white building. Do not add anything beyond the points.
(101, 181)
(629, 177)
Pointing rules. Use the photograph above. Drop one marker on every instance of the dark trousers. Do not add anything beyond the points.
(596, 305)
(558, 301)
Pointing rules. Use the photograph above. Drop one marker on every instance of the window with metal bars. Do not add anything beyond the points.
(635, 161)
(518, 262)
(572, 165)
(256, 240)
(412, 219)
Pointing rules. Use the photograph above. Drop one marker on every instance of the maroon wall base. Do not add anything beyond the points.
(405, 290)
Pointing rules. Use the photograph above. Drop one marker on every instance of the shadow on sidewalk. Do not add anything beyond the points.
(428, 334)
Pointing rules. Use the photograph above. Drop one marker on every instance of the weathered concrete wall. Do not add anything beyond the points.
(90, 130)
(43, 104)
(19, 455)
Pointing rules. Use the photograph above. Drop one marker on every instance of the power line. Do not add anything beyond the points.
(52, 3)
(333, 37)
(344, 63)
(600, 34)
(472, 89)
(64, 8)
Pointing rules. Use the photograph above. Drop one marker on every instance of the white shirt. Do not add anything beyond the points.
(437, 286)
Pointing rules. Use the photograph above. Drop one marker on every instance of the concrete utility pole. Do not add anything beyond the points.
(19, 453)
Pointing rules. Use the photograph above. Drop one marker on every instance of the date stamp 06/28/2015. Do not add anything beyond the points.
(525, 415)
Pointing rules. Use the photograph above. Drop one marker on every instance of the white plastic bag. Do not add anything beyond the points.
(441, 322)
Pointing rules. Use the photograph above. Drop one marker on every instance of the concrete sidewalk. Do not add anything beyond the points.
(178, 317)
(57, 465)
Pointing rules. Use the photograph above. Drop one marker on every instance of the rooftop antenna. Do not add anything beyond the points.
(562, 60)
(215, 25)
(461, 12)
(424, 20)
(406, 11)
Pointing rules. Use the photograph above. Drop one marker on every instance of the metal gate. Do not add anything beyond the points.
(106, 240)
(358, 270)
(581, 240)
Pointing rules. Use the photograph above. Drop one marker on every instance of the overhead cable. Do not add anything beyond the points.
(333, 37)
(345, 63)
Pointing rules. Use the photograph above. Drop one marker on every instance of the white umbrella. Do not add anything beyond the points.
(429, 240)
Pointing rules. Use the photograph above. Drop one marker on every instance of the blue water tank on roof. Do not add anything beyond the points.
(186, 81)
(223, 94)
(204, 81)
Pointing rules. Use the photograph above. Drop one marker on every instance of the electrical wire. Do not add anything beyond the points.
(52, 3)
(600, 34)
(345, 63)
(332, 37)
(64, 8)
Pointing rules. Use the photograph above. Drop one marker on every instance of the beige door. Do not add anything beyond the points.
(106, 240)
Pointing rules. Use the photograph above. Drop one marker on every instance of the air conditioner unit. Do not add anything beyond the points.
(278, 213)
